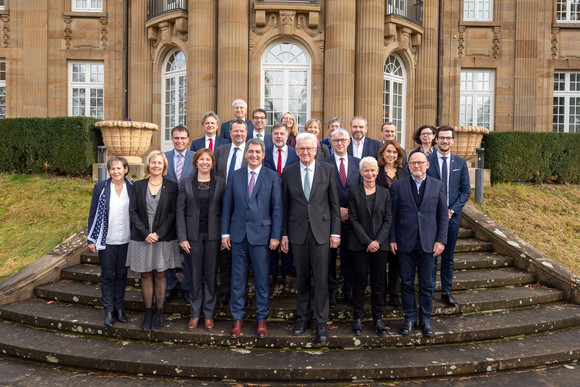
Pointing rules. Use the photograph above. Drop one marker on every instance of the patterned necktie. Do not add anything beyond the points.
(232, 163)
(211, 144)
(279, 167)
(252, 184)
(307, 184)
(179, 168)
(342, 172)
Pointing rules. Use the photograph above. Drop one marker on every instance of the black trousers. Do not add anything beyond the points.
(113, 275)
(361, 262)
(202, 260)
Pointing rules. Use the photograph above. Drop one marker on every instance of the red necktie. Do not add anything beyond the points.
(342, 172)
(279, 168)
(211, 144)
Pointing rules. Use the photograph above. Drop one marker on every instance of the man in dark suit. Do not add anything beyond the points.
(389, 132)
(347, 177)
(418, 234)
(277, 158)
(260, 121)
(210, 122)
(333, 124)
(229, 157)
(362, 146)
(240, 108)
(311, 227)
(179, 167)
(453, 172)
(251, 223)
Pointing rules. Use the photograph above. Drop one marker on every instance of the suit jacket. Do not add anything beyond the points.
(370, 148)
(369, 226)
(269, 158)
(322, 151)
(259, 217)
(225, 129)
(328, 144)
(382, 176)
(267, 138)
(200, 143)
(353, 178)
(164, 221)
(429, 222)
(188, 209)
(321, 211)
(221, 155)
(459, 187)
(188, 169)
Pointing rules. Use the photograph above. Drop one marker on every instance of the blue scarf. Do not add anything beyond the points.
(99, 228)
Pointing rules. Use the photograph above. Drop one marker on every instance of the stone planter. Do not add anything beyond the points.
(467, 140)
(129, 139)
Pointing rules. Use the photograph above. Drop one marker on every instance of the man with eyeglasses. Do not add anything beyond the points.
(453, 172)
(260, 120)
(311, 227)
(179, 167)
(333, 124)
(418, 234)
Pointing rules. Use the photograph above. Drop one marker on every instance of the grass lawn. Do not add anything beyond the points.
(546, 216)
(37, 213)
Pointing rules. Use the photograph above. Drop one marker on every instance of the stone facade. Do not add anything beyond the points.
(348, 42)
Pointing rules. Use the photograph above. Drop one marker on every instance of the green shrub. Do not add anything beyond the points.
(533, 157)
(60, 145)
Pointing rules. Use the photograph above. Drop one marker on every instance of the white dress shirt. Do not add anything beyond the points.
(239, 157)
(345, 160)
(357, 150)
(207, 141)
(284, 155)
(310, 173)
(440, 161)
(255, 135)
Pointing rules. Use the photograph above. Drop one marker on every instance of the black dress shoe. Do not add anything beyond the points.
(301, 327)
(357, 327)
(185, 296)
(394, 300)
(407, 328)
(380, 327)
(321, 332)
(449, 300)
(426, 328)
(223, 301)
(109, 321)
(120, 315)
(332, 301)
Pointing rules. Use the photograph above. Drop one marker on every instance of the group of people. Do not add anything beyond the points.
(281, 202)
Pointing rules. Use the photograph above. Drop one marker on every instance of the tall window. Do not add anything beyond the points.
(476, 100)
(286, 73)
(87, 5)
(566, 102)
(2, 88)
(568, 11)
(394, 95)
(86, 83)
(174, 95)
(478, 10)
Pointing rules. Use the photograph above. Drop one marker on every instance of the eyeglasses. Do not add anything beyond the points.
(260, 118)
(302, 149)
(417, 163)
(180, 138)
(427, 134)
(445, 138)
(338, 140)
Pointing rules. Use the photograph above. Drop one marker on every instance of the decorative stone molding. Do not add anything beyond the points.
(287, 22)
(103, 20)
(404, 37)
(405, 34)
(461, 42)
(165, 27)
(67, 31)
(104, 32)
(6, 30)
(287, 17)
(302, 24)
(496, 42)
(555, 33)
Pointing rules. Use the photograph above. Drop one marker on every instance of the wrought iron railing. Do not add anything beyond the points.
(409, 9)
(157, 7)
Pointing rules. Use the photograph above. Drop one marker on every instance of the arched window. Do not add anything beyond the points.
(286, 74)
(173, 96)
(394, 95)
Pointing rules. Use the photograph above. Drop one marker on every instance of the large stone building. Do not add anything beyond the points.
(503, 64)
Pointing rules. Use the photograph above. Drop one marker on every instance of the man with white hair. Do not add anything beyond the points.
(240, 108)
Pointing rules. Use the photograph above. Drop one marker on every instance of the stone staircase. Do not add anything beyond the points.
(506, 320)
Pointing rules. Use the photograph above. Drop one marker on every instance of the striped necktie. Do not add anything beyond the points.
(179, 168)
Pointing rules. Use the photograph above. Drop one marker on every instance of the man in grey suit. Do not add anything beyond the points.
(312, 227)
(179, 167)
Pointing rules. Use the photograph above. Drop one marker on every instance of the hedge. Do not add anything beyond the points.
(533, 157)
(60, 145)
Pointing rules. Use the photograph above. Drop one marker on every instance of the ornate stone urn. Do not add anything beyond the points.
(129, 139)
(467, 140)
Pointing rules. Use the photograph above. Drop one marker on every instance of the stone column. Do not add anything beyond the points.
(232, 59)
(34, 58)
(202, 55)
(339, 62)
(140, 67)
(370, 16)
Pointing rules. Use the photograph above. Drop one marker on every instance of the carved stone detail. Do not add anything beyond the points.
(104, 32)
(461, 42)
(303, 24)
(404, 37)
(496, 42)
(555, 33)
(271, 22)
(6, 30)
(287, 22)
(67, 31)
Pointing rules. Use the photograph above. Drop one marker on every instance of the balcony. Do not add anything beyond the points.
(158, 7)
(409, 9)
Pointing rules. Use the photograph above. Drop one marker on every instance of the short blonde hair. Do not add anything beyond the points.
(151, 156)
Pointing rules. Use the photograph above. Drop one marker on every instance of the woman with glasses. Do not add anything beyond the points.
(425, 137)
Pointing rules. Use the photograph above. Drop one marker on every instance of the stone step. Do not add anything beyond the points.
(448, 329)
(467, 245)
(326, 365)
(283, 308)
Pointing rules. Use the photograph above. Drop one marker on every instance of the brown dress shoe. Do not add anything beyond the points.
(209, 324)
(192, 323)
(236, 328)
(262, 329)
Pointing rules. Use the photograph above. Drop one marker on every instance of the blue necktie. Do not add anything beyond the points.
(233, 163)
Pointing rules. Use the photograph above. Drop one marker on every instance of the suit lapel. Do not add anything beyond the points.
(363, 197)
(408, 193)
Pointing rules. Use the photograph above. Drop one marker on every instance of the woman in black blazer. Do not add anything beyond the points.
(369, 212)
(199, 210)
(390, 158)
(153, 247)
